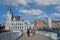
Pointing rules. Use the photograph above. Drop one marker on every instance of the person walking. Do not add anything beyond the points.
(28, 32)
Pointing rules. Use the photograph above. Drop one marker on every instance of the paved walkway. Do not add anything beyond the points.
(35, 37)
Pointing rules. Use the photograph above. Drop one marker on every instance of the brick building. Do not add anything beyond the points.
(38, 24)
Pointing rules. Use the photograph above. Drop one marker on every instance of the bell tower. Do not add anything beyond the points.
(9, 14)
(8, 18)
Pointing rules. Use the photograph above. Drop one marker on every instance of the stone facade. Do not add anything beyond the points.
(15, 23)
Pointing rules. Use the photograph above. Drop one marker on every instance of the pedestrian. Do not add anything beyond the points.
(28, 32)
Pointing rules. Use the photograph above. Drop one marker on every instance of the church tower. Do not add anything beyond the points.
(9, 14)
(8, 18)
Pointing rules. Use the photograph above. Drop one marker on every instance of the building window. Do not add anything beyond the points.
(18, 27)
(9, 27)
(12, 23)
(20, 24)
(16, 23)
(27, 27)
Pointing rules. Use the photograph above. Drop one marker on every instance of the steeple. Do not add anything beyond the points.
(9, 14)
(9, 8)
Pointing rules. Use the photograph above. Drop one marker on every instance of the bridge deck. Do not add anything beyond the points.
(35, 37)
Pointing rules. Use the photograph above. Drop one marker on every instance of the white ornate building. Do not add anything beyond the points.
(15, 23)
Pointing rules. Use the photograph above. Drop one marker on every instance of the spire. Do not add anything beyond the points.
(9, 8)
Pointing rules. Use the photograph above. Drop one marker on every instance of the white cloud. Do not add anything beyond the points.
(57, 5)
(56, 14)
(58, 8)
(43, 16)
(33, 12)
(14, 2)
(38, 2)
(45, 2)
(3, 16)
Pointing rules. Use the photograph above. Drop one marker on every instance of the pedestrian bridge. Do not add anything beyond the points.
(34, 37)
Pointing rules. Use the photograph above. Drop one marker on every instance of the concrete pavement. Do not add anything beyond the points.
(35, 37)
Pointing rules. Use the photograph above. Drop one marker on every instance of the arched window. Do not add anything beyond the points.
(12, 23)
(16, 23)
(18, 27)
(9, 27)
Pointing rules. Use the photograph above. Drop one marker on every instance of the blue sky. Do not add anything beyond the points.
(31, 10)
